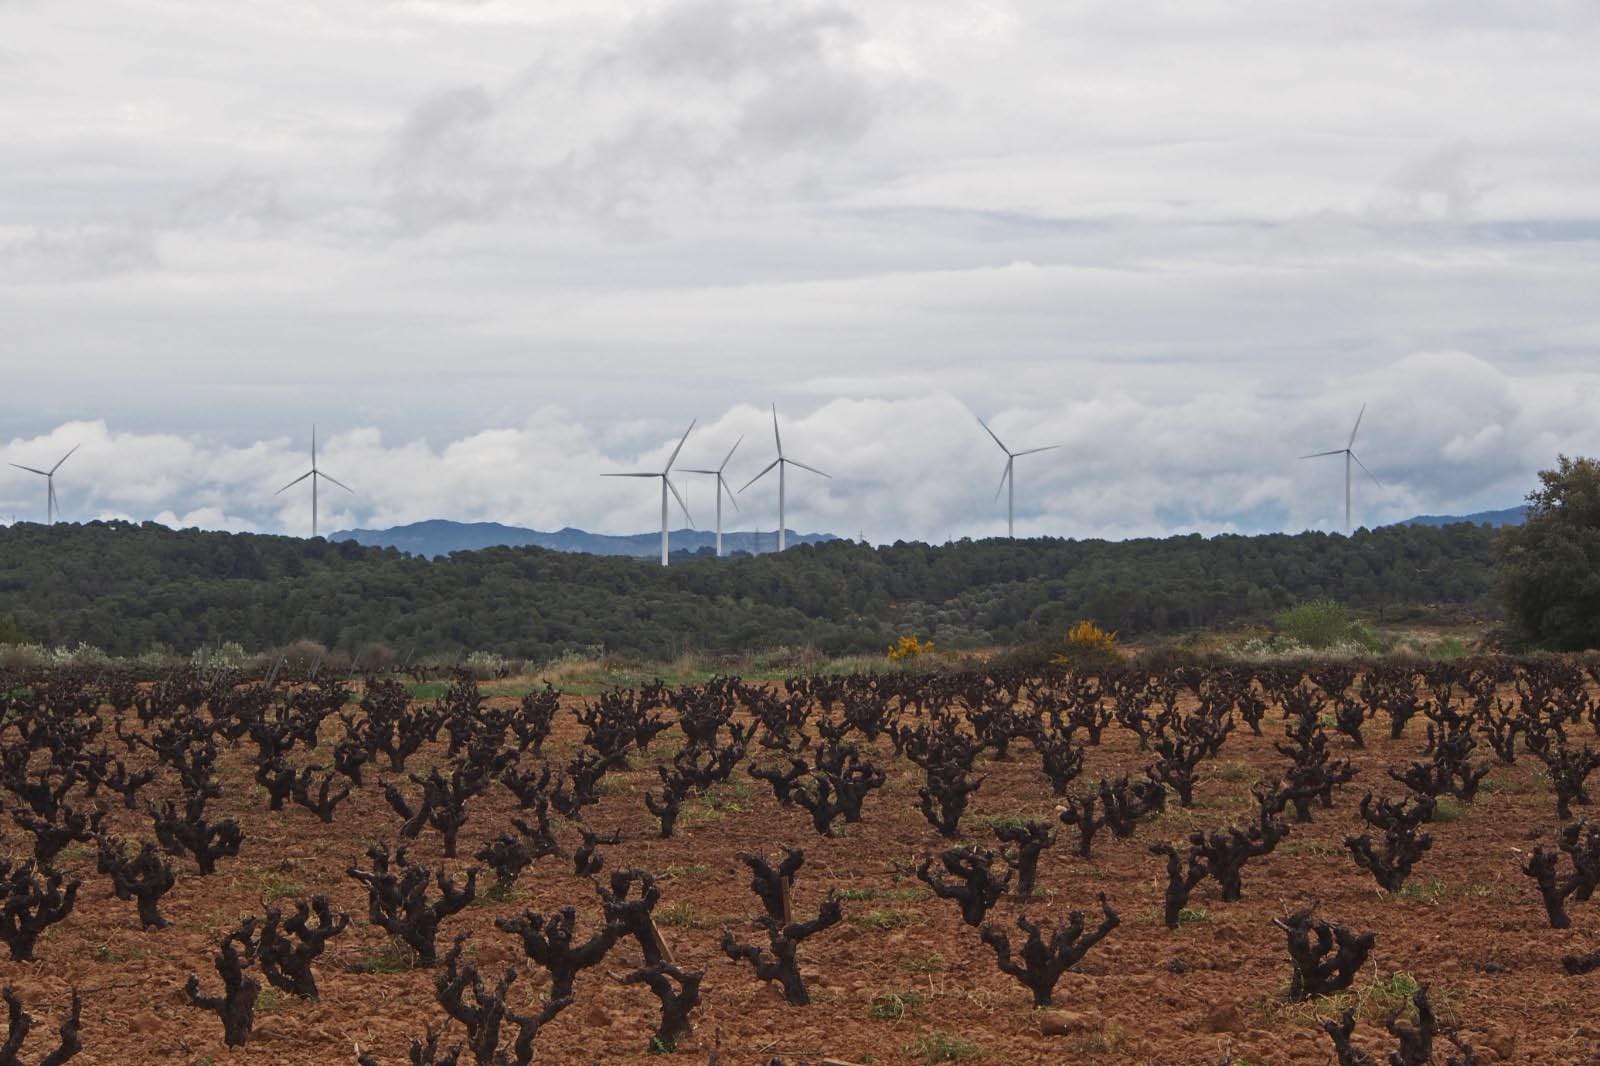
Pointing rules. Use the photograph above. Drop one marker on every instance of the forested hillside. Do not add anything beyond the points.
(128, 587)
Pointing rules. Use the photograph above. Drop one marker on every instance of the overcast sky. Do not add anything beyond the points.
(494, 248)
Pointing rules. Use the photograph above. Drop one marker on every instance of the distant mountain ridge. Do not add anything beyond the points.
(439, 537)
(1510, 516)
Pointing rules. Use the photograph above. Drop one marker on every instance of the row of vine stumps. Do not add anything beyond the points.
(165, 782)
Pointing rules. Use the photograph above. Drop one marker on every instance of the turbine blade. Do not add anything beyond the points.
(1355, 427)
(991, 433)
(679, 498)
(777, 439)
(64, 458)
(32, 470)
(692, 470)
(336, 481)
(1319, 455)
(767, 470)
(1363, 466)
(679, 448)
(802, 466)
(651, 474)
(730, 453)
(722, 484)
(1005, 472)
(1035, 451)
(295, 482)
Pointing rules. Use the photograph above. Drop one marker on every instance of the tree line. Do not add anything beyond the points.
(129, 588)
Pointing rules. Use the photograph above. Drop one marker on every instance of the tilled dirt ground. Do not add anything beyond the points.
(901, 979)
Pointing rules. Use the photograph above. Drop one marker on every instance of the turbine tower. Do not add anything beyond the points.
(780, 462)
(667, 486)
(722, 487)
(50, 507)
(1349, 457)
(314, 474)
(1008, 477)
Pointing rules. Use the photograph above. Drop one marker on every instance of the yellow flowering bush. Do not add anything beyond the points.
(909, 647)
(1086, 645)
(1090, 637)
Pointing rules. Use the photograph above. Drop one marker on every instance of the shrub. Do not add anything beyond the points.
(304, 657)
(487, 666)
(1091, 638)
(1093, 650)
(22, 657)
(157, 658)
(909, 647)
(1319, 623)
(375, 658)
(230, 656)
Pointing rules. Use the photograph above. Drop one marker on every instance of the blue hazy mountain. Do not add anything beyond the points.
(1511, 516)
(439, 536)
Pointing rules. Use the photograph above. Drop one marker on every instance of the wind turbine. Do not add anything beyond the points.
(1349, 457)
(1008, 477)
(722, 487)
(780, 462)
(49, 476)
(314, 474)
(667, 486)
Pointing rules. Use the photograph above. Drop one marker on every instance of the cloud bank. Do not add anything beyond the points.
(1442, 431)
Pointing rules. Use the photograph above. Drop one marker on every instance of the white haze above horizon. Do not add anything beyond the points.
(494, 250)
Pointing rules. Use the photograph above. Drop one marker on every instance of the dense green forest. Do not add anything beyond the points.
(128, 588)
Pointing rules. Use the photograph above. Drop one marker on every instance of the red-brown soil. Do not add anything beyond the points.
(1470, 926)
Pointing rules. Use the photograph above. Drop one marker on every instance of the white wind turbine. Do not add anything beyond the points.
(50, 507)
(722, 487)
(1349, 456)
(780, 462)
(1008, 476)
(315, 475)
(667, 486)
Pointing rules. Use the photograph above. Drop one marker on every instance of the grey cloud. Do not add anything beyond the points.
(808, 111)
(75, 253)
(446, 125)
(238, 198)
(1440, 184)
(684, 109)
(722, 39)
(1187, 239)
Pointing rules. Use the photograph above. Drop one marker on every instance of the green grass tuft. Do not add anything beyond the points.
(681, 915)
(940, 1046)
(1447, 809)
(892, 895)
(885, 919)
(892, 1006)
(277, 886)
(988, 823)
(392, 957)
(932, 962)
